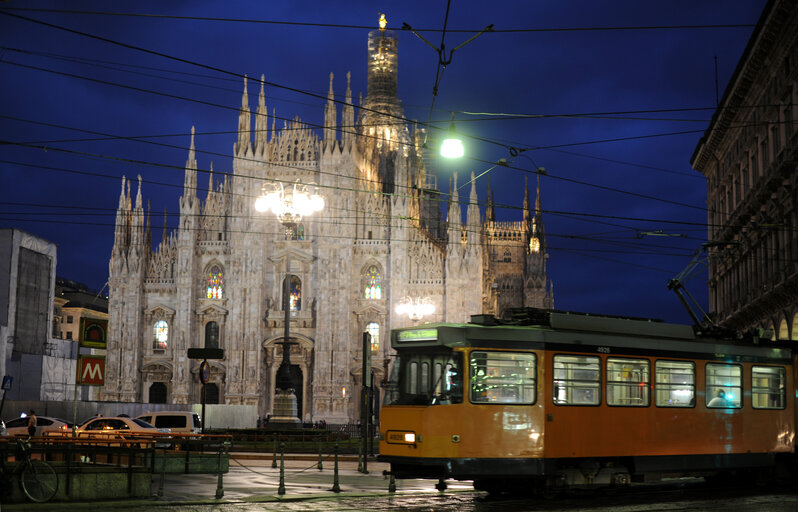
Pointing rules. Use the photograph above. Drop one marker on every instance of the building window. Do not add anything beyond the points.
(160, 335)
(69, 319)
(373, 328)
(158, 393)
(69, 335)
(295, 293)
(296, 232)
(372, 283)
(215, 282)
(507, 256)
(211, 335)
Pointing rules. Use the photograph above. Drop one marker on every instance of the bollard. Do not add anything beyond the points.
(163, 472)
(320, 462)
(335, 487)
(219, 484)
(441, 485)
(359, 458)
(274, 454)
(281, 487)
(392, 484)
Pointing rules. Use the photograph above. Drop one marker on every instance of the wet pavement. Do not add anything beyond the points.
(253, 485)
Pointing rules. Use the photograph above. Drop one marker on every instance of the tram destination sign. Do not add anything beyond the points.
(417, 335)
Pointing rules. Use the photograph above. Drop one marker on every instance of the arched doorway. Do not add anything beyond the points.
(301, 372)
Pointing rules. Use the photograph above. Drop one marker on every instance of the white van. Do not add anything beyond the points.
(185, 422)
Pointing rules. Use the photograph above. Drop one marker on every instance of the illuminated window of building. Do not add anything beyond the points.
(297, 232)
(294, 293)
(160, 335)
(373, 328)
(372, 287)
(534, 244)
(215, 281)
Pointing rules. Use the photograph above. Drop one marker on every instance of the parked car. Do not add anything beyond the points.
(118, 427)
(183, 422)
(44, 424)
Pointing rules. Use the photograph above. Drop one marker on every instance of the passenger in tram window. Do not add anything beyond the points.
(719, 400)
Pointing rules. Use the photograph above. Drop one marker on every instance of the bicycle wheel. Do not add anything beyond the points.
(39, 481)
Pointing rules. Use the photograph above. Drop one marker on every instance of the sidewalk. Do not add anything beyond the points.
(252, 479)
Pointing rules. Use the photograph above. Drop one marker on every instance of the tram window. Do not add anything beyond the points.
(412, 378)
(768, 387)
(503, 377)
(724, 386)
(577, 380)
(628, 382)
(675, 383)
(426, 378)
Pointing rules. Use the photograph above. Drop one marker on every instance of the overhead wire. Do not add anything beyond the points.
(368, 27)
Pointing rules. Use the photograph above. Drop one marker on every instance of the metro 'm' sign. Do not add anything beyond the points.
(91, 370)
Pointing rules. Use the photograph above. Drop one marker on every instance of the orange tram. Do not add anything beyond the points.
(569, 399)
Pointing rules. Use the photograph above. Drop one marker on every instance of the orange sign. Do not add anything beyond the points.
(91, 370)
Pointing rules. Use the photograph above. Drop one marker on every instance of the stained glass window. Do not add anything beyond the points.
(373, 328)
(372, 288)
(160, 334)
(295, 293)
(215, 281)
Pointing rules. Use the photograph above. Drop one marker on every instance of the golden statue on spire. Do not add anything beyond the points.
(383, 21)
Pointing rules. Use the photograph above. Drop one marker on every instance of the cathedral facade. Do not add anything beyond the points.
(216, 281)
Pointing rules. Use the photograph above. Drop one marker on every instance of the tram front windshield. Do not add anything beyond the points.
(426, 378)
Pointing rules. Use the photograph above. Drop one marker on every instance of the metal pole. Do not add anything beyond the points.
(365, 402)
(336, 487)
(281, 487)
(219, 484)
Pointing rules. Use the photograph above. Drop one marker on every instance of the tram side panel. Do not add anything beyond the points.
(603, 431)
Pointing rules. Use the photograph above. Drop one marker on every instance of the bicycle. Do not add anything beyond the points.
(37, 478)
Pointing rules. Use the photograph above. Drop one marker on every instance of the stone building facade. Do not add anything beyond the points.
(749, 156)
(216, 280)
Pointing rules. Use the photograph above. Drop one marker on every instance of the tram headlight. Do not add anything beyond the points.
(402, 437)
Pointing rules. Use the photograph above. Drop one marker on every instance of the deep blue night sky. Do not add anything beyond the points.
(623, 111)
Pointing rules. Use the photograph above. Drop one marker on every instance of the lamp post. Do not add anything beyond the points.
(415, 308)
(289, 204)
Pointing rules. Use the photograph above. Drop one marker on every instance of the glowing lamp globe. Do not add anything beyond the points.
(452, 148)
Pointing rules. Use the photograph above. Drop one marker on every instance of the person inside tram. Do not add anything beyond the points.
(719, 400)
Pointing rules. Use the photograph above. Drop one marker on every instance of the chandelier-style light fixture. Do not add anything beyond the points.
(415, 308)
(289, 204)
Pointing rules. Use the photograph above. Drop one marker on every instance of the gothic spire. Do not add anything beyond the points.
(330, 121)
(453, 217)
(348, 114)
(473, 222)
(527, 217)
(163, 235)
(261, 120)
(244, 140)
(190, 179)
(490, 214)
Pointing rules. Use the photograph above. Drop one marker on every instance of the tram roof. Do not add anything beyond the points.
(555, 328)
